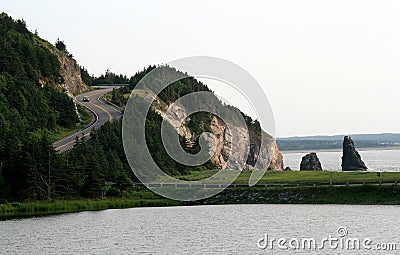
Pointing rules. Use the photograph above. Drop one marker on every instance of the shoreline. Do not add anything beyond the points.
(350, 195)
(17, 210)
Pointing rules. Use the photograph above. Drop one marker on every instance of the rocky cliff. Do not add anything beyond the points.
(71, 73)
(268, 157)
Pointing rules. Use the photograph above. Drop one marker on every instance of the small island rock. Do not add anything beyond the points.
(310, 162)
(351, 160)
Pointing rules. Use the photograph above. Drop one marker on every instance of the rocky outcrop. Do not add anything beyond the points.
(71, 73)
(310, 162)
(277, 158)
(351, 160)
(267, 157)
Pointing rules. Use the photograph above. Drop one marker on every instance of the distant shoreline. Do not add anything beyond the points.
(339, 149)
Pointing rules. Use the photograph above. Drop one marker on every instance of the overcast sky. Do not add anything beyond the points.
(327, 67)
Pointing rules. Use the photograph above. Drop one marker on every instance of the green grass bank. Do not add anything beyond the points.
(42, 208)
(357, 195)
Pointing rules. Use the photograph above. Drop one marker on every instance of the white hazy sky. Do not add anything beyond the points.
(327, 67)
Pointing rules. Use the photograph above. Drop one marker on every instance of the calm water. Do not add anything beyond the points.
(379, 160)
(221, 229)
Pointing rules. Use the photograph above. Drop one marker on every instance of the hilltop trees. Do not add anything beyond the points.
(110, 78)
(86, 77)
(60, 45)
(30, 108)
(22, 55)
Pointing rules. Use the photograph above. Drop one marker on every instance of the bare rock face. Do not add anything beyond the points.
(272, 149)
(310, 162)
(226, 156)
(72, 75)
(70, 71)
(351, 160)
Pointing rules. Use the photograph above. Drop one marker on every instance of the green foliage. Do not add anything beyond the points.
(110, 78)
(117, 97)
(98, 167)
(21, 57)
(15, 209)
(60, 45)
(30, 108)
(86, 77)
(156, 148)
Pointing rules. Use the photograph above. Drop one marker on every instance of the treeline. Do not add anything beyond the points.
(96, 168)
(31, 107)
(328, 144)
(107, 78)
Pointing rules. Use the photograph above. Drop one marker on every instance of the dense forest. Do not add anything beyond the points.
(32, 106)
(107, 78)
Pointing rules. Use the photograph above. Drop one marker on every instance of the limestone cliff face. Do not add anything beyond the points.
(268, 157)
(71, 73)
(69, 70)
(226, 156)
(277, 158)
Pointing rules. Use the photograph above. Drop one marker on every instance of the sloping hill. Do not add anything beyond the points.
(32, 106)
(267, 157)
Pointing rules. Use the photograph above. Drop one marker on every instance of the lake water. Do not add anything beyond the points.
(220, 229)
(378, 160)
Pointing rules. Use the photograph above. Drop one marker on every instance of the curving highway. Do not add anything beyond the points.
(102, 112)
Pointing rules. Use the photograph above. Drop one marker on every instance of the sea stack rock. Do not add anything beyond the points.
(351, 160)
(310, 162)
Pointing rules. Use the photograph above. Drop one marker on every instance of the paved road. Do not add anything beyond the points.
(102, 112)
